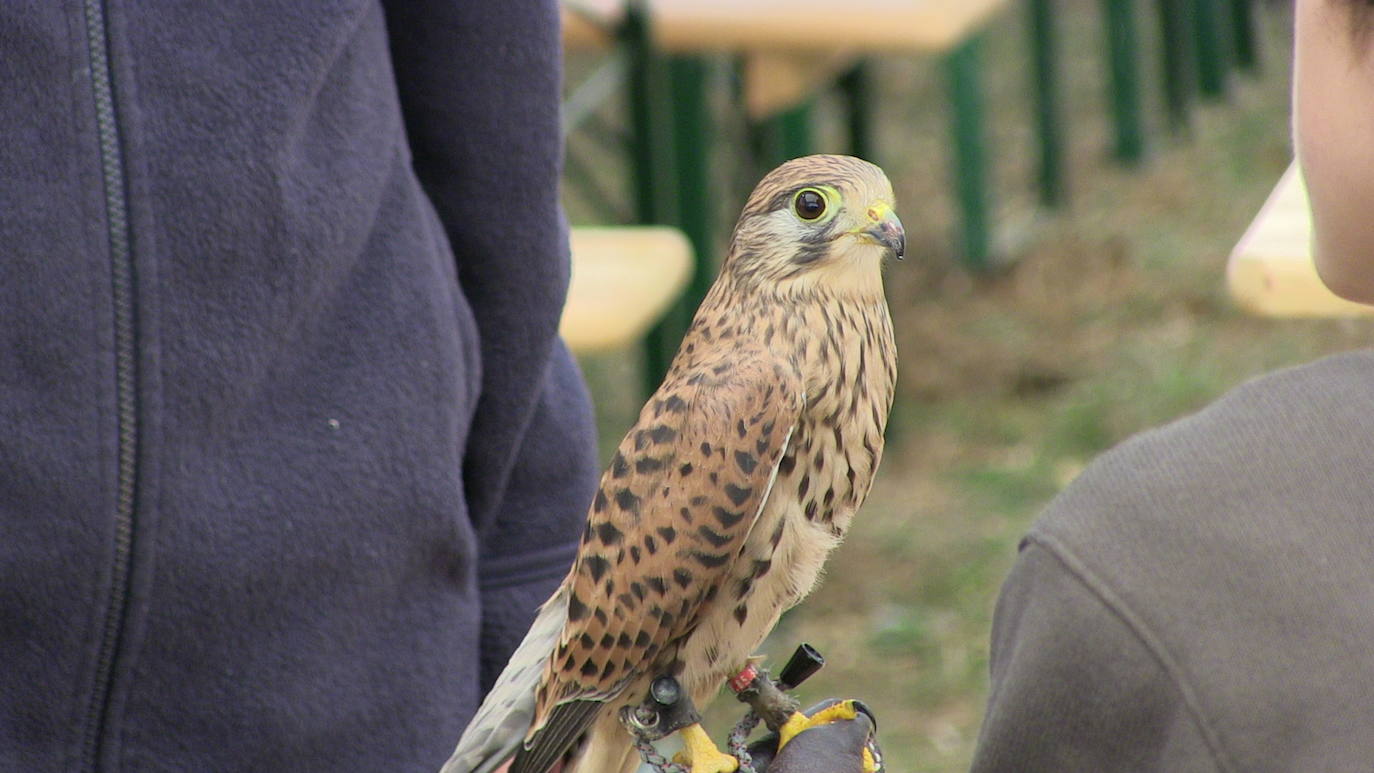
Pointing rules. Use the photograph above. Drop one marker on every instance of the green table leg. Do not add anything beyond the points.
(1044, 48)
(690, 146)
(793, 132)
(648, 109)
(970, 153)
(1243, 35)
(692, 142)
(1176, 26)
(1211, 48)
(857, 86)
(784, 136)
(651, 162)
(1123, 51)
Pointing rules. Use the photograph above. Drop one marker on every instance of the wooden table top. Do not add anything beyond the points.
(1271, 271)
(788, 25)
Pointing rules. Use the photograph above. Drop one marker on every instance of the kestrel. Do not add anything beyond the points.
(723, 501)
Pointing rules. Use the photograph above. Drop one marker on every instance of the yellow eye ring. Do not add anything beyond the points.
(809, 204)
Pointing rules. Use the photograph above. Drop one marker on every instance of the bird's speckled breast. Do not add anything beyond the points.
(847, 355)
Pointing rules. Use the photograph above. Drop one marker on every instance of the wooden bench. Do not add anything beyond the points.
(623, 280)
(1271, 272)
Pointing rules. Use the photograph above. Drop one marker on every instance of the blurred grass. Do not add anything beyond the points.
(1113, 319)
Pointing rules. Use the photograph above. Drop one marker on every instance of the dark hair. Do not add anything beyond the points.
(1361, 19)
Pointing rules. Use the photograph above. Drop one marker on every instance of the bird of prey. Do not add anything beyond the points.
(723, 501)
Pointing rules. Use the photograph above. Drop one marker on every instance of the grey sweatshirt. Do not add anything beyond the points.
(289, 449)
(1202, 597)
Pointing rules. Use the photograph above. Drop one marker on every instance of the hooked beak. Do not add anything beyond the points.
(886, 229)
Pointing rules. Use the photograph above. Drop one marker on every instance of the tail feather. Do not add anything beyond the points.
(608, 749)
(496, 732)
(566, 722)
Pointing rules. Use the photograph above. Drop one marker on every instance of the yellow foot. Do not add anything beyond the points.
(799, 722)
(870, 764)
(701, 754)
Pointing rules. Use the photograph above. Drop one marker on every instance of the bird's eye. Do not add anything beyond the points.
(809, 204)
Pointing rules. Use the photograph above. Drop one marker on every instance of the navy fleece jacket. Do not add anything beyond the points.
(289, 450)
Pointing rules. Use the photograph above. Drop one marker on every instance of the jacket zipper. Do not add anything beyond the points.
(126, 383)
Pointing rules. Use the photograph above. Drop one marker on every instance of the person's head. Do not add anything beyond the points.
(1333, 130)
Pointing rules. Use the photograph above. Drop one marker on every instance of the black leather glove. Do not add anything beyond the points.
(847, 743)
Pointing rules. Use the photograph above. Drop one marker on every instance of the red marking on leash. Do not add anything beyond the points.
(744, 678)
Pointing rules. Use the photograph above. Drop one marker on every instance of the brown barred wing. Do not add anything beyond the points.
(673, 512)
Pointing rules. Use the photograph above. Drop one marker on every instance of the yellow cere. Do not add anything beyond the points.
(879, 211)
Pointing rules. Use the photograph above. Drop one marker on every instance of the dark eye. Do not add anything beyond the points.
(809, 204)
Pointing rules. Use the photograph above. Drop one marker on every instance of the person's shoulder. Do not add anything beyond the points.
(1227, 543)
(1271, 438)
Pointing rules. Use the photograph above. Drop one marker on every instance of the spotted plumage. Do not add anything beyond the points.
(742, 473)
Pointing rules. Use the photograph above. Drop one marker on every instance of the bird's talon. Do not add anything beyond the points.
(799, 722)
(702, 754)
(792, 728)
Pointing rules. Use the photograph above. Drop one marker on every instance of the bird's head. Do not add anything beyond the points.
(818, 222)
